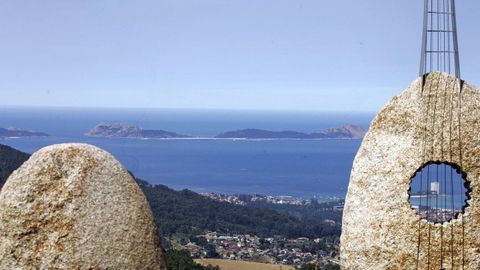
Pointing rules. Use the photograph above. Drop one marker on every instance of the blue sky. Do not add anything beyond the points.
(342, 55)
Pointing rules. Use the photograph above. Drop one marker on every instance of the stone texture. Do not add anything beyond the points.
(380, 229)
(73, 206)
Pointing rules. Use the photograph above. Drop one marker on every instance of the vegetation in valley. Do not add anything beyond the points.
(187, 212)
(310, 211)
(181, 260)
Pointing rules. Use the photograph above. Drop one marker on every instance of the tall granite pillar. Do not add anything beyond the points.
(381, 230)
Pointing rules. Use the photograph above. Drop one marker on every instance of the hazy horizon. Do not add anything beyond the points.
(126, 109)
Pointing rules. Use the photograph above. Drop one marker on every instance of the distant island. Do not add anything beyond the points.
(135, 132)
(15, 132)
(130, 131)
(345, 132)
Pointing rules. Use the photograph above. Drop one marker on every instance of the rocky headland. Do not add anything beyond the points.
(130, 131)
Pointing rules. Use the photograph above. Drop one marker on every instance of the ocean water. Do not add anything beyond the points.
(300, 168)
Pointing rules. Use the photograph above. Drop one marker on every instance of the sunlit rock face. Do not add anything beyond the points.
(73, 206)
(380, 228)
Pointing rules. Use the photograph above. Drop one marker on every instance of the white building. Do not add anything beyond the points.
(435, 187)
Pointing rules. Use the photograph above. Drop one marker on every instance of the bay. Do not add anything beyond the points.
(299, 168)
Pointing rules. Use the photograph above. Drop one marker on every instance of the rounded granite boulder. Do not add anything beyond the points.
(73, 206)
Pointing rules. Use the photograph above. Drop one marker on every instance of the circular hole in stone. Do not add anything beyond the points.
(439, 192)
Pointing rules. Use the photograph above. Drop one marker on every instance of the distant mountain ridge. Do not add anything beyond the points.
(130, 131)
(344, 132)
(15, 132)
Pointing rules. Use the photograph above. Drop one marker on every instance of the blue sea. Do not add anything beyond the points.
(299, 168)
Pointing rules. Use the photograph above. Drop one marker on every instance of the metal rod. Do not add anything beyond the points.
(455, 41)
(424, 40)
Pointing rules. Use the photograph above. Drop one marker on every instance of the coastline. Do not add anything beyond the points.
(227, 139)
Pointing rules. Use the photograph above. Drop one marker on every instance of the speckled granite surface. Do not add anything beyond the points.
(380, 229)
(73, 206)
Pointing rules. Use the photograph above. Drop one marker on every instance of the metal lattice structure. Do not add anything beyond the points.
(440, 53)
(440, 39)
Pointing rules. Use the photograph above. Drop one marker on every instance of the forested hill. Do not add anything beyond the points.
(190, 213)
(10, 160)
